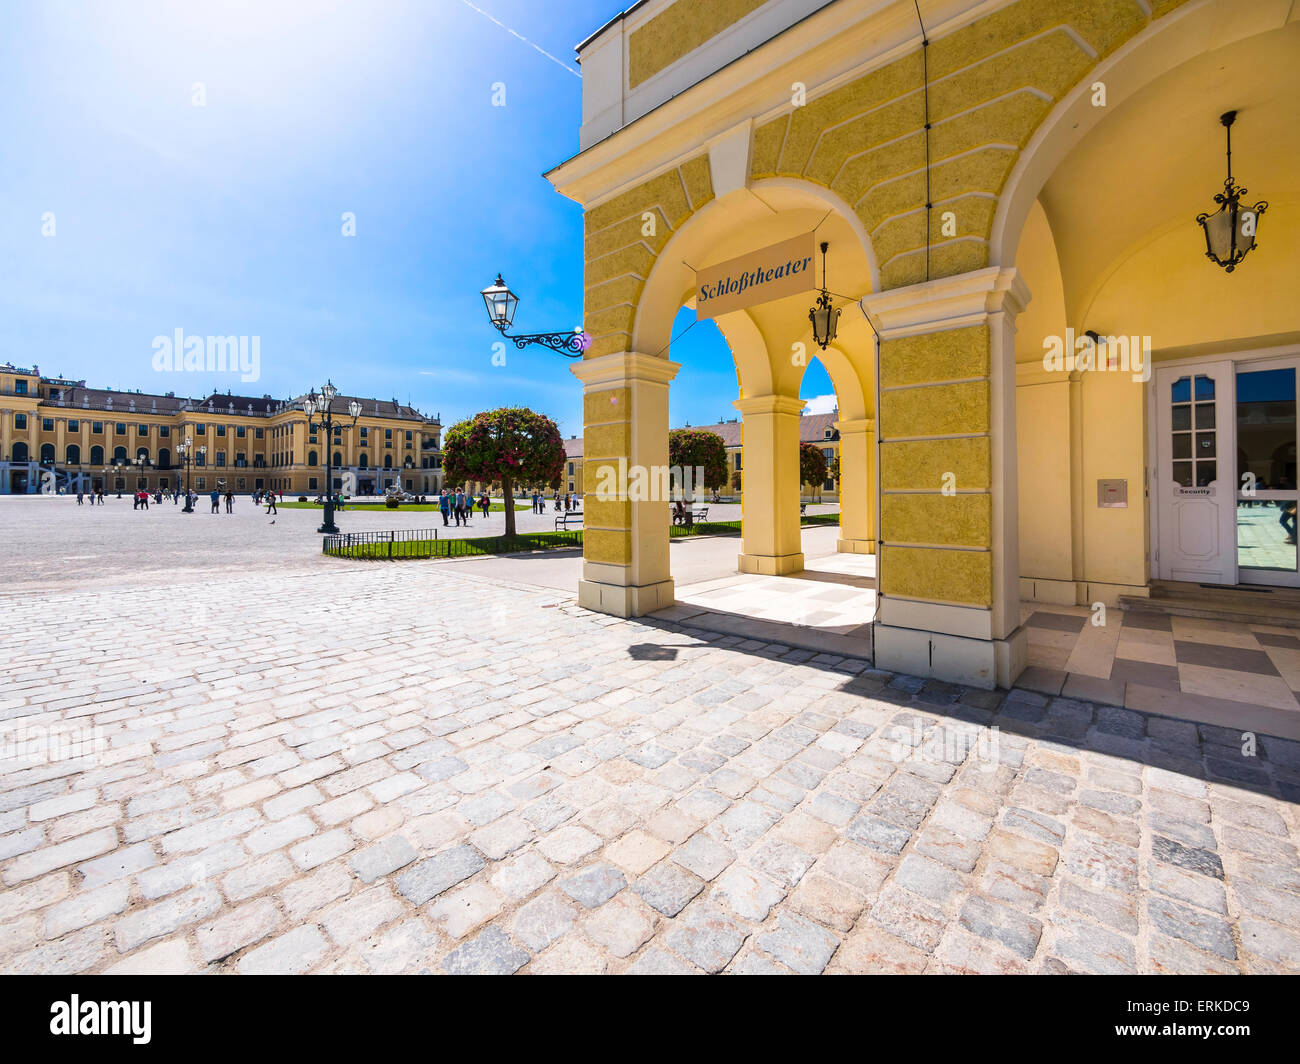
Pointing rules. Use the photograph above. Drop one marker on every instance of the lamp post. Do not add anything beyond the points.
(1230, 231)
(318, 409)
(186, 452)
(501, 304)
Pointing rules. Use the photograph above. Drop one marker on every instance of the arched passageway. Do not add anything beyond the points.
(628, 563)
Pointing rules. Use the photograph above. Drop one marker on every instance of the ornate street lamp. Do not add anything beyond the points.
(318, 411)
(1230, 231)
(501, 304)
(186, 453)
(825, 318)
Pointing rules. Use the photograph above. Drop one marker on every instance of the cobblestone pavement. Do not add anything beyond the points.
(407, 768)
(66, 545)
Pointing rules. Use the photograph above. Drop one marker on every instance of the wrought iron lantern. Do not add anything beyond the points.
(501, 304)
(1230, 231)
(825, 318)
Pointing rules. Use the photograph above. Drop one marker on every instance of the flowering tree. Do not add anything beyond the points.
(812, 465)
(688, 448)
(511, 445)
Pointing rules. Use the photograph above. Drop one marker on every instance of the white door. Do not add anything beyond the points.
(1195, 479)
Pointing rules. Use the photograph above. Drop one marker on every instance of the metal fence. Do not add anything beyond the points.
(425, 543)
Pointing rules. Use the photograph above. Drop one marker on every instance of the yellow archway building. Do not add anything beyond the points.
(988, 176)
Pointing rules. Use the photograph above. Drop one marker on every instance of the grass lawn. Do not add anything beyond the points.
(497, 507)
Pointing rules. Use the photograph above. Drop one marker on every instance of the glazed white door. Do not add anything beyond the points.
(1195, 478)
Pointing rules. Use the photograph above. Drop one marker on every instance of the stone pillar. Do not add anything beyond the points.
(857, 487)
(949, 555)
(770, 535)
(625, 570)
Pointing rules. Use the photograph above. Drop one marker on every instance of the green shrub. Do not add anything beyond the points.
(302, 498)
(391, 502)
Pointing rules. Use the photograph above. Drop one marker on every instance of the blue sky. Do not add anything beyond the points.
(226, 218)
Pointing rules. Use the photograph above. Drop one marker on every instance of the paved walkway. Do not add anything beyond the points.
(332, 767)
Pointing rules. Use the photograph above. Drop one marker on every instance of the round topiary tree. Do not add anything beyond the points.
(507, 445)
(812, 466)
(689, 448)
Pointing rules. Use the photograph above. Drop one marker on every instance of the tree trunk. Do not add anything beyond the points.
(507, 490)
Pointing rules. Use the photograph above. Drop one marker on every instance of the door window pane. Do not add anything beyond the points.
(1266, 534)
(1266, 429)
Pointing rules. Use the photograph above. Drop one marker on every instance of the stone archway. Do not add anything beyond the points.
(626, 559)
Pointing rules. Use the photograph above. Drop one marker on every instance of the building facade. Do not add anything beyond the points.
(995, 180)
(59, 435)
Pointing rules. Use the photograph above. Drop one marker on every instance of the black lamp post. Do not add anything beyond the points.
(187, 452)
(1230, 231)
(317, 406)
(825, 318)
(501, 303)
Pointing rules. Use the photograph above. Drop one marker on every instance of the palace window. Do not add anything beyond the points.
(120, 428)
(260, 433)
(20, 421)
(97, 428)
(221, 430)
(164, 431)
(74, 426)
(47, 424)
(201, 428)
(142, 430)
(241, 431)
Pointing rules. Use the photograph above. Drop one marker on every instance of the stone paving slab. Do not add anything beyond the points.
(410, 769)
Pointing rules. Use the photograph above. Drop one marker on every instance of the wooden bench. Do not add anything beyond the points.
(562, 521)
(700, 513)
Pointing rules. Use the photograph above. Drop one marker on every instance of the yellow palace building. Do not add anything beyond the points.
(1047, 388)
(59, 435)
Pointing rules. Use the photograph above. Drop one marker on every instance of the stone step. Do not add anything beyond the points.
(1215, 608)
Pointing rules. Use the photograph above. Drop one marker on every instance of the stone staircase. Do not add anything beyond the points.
(1243, 604)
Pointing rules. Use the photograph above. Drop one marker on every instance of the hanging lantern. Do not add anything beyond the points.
(825, 318)
(1230, 231)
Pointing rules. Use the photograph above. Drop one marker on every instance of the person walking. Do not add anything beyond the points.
(215, 496)
(80, 497)
(485, 504)
(270, 503)
(230, 501)
(444, 505)
(462, 514)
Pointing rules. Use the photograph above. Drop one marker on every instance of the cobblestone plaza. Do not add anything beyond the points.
(303, 764)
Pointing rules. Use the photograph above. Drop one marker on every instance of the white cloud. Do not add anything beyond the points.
(820, 404)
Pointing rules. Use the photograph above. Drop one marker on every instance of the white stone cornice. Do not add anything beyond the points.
(623, 366)
(946, 303)
(862, 424)
(769, 404)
